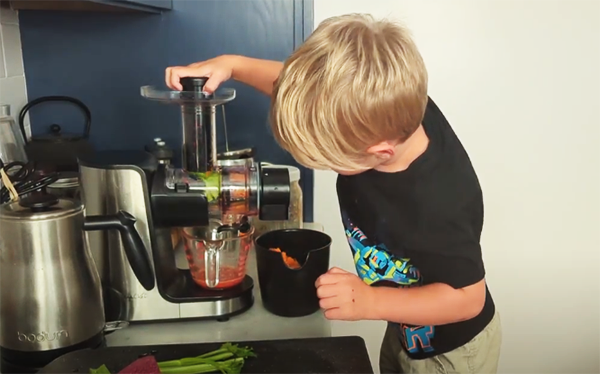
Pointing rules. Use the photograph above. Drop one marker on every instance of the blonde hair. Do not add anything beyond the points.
(354, 83)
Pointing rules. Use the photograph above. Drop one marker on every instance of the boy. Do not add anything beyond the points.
(353, 99)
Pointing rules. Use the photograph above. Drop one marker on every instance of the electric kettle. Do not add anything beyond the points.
(51, 296)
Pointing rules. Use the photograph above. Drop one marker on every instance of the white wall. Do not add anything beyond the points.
(12, 76)
(520, 83)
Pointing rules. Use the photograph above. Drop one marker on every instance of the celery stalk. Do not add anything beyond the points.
(195, 360)
(228, 359)
(101, 370)
(230, 366)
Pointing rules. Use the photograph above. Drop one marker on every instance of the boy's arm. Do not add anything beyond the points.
(450, 264)
(434, 304)
(260, 74)
(344, 296)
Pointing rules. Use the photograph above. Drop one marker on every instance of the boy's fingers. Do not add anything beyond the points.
(336, 270)
(326, 291)
(327, 279)
(214, 81)
(328, 303)
(168, 73)
(174, 74)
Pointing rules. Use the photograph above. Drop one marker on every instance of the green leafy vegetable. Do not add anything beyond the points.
(228, 359)
(212, 183)
(101, 370)
(232, 366)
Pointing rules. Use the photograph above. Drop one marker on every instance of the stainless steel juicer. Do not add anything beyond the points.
(204, 204)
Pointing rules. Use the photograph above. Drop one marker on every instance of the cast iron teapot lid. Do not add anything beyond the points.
(56, 135)
(40, 207)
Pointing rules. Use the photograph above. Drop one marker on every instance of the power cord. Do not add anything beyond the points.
(22, 180)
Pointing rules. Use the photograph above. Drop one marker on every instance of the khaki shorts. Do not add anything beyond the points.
(479, 356)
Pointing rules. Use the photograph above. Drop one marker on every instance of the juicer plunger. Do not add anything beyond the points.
(199, 128)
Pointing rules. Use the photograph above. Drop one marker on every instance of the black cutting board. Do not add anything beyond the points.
(346, 354)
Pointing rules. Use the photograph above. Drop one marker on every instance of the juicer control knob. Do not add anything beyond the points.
(161, 151)
(195, 85)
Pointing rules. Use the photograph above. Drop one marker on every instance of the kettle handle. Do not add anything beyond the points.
(136, 252)
(80, 104)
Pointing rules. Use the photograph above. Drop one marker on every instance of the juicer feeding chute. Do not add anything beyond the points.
(198, 120)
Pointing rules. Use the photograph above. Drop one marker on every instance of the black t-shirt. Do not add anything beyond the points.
(420, 226)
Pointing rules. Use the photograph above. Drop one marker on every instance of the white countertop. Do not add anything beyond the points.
(254, 324)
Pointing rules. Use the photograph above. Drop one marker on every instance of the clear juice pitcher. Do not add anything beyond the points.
(217, 256)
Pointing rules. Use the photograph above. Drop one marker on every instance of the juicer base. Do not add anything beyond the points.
(219, 305)
(189, 301)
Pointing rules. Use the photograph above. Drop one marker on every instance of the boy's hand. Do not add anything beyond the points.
(344, 296)
(217, 70)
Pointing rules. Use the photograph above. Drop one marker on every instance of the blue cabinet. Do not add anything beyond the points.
(104, 58)
(158, 4)
(118, 6)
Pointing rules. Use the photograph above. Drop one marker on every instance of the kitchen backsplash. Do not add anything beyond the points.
(104, 58)
(13, 90)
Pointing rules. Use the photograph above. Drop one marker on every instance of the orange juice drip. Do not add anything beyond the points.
(291, 262)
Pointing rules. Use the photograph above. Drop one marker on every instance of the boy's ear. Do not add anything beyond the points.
(383, 150)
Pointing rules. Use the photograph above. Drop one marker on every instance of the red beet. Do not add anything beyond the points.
(144, 365)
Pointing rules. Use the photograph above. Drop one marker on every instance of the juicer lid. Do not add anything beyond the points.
(219, 97)
(236, 154)
(40, 208)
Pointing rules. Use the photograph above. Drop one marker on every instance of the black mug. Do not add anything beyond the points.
(285, 291)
